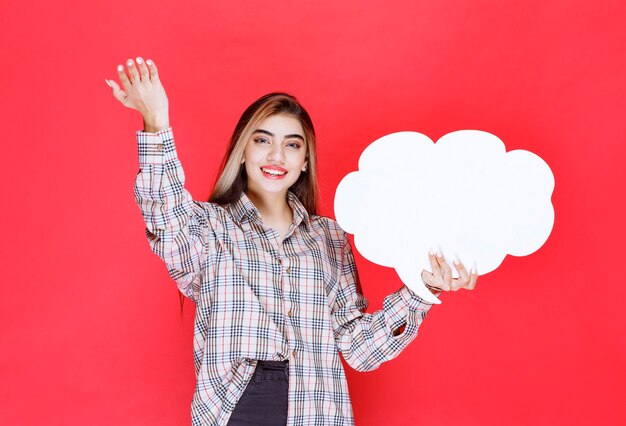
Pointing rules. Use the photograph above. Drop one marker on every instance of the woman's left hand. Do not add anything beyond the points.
(440, 279)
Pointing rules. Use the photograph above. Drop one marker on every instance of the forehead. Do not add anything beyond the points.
(281, 125)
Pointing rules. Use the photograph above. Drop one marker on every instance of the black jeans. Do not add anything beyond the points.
(264, 402)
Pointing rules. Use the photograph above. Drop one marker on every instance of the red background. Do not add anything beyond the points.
(90, 325)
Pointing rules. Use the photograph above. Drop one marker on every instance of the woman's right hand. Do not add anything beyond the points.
(142, 91)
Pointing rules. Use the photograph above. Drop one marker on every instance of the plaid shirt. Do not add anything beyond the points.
(258, 298)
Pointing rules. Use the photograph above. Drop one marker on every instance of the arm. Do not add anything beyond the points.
(176, 226)
(367, 340)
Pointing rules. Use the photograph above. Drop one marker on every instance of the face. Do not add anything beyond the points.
(275, 155)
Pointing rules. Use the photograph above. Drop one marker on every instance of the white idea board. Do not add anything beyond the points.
(464, 195)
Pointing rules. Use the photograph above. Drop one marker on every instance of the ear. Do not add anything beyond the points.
(304, 166)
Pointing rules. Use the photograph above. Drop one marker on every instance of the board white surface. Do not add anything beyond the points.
(464, 195)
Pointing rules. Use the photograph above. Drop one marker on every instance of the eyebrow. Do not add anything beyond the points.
(265, 132)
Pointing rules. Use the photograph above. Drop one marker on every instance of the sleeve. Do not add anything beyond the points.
(367, 340)
(175, 224)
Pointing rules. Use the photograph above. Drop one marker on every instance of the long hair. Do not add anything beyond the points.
(232, 178)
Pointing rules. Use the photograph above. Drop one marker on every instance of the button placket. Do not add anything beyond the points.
(286, 266)
(286, 269)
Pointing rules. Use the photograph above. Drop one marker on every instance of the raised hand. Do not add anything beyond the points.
(440, 279)
(142, 91)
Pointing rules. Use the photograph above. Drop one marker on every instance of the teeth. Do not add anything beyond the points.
(273, 172)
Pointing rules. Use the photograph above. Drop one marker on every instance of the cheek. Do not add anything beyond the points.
(250, 155)
(251, 166)
(299, 158)
(248, 160)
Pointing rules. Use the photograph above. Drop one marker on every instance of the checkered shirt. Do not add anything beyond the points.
(258, 298)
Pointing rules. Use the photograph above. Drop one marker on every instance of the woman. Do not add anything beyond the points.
(275, 285)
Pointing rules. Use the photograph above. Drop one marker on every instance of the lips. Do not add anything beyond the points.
(273, 172)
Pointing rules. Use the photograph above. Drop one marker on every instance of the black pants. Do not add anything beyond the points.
(264, 402)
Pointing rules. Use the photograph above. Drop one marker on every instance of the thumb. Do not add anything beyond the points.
(118, 93)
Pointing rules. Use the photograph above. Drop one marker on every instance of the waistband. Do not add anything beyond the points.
(273, 365)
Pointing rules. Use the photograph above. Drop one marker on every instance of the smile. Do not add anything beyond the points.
(273, 173)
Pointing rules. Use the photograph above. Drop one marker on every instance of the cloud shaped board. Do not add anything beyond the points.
(465, 195)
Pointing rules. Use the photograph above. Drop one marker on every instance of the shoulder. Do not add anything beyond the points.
(330, 227)
(208, 207)
(214, 214)
(326, 222)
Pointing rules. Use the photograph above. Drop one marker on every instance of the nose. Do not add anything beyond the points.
(276, 154)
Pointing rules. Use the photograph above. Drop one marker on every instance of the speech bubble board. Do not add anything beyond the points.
(464, 195)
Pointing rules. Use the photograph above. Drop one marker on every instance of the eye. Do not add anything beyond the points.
(260, 139)
(295, 145)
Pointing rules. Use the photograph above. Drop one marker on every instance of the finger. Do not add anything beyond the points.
(123, 78)
(447, 271)
(434, 265)
(460, 268)
(473, 278)
(118, 93)
(154, 73)
(132, 71)
(438, 274)
(113, 85)
(464, 276)
(427, 279)
(144, 74)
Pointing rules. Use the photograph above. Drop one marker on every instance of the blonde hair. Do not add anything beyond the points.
(232, 178)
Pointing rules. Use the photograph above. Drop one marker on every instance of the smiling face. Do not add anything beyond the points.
(275, 155)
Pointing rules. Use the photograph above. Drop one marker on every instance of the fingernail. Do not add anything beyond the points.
(473, 271)
(107, 81)
(129, 63)
(139, 60)
(120, 68)
(439, 253)
(431, 252)
(456, 260)
(149, 62)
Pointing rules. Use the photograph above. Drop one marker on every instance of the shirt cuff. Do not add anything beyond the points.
(155, 148)
(414, 301)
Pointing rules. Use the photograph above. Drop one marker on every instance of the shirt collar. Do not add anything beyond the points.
(300, 215)
(244, 208)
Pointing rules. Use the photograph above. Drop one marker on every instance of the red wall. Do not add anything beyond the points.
(90, 326)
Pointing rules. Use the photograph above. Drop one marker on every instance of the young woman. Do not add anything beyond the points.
(275, 285)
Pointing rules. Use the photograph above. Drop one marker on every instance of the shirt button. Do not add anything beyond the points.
(290, 313)
(288, 270)
(159, 147)
(294, 353)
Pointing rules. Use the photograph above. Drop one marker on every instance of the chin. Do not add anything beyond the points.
(270, 189)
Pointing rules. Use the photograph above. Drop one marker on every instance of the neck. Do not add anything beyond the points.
(272, 207)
